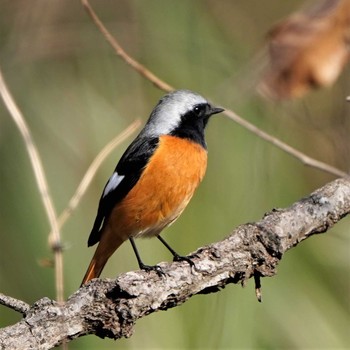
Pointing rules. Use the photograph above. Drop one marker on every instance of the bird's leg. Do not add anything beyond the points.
(176, 256)
(143, 266)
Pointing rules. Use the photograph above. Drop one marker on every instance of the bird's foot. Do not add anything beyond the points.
(185, 258)
(157, 269)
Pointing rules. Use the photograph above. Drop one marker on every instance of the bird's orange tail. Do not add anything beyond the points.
(94, 270)
(107, 246)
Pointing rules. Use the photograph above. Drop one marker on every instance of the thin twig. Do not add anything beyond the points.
(306, 160)
(159, 83)
(90, 173)
(14, 304)
(121, 52)
(41, 182)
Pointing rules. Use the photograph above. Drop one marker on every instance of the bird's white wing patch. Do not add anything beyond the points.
(112, 183)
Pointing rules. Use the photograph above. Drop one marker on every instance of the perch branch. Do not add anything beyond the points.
(110, 308)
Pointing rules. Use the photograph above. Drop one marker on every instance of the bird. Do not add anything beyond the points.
(154, 179)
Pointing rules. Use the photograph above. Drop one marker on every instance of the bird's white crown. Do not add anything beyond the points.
(166, 116)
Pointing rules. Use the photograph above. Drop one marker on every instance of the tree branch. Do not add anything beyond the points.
(40, 177)
(138, 67)
(15, 304)
(110, 308)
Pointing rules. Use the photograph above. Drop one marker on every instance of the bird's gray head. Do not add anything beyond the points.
(167, 114)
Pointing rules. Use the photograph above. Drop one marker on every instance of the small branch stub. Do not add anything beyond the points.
(15, 304)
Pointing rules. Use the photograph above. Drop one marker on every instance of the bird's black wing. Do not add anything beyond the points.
(123, 179)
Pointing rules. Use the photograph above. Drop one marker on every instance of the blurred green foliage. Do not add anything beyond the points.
(76, 95)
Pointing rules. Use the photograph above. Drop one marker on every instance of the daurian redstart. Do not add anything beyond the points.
(154, 179)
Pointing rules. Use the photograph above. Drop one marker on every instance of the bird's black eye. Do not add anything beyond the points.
(198, 109)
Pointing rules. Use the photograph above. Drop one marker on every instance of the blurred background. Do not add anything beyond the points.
(76, 95)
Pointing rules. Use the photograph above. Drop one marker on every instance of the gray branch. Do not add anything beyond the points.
(110, 308)
(15, 304)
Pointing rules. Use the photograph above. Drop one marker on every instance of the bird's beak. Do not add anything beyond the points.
(215, 110)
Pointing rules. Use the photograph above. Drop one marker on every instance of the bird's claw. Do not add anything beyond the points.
(185, 258)
(157, 269)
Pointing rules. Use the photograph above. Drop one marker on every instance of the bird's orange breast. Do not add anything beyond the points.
(164, 189)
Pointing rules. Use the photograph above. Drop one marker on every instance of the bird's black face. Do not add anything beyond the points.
(194, 121)
(204, 111)
(198, 116)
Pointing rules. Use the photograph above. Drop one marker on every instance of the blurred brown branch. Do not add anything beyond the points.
(302, 157)
(90, 173)
(110, 308)
(121, 52)
(159, 83)
(38, 169)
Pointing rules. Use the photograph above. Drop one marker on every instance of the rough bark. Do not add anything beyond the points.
(110, 308)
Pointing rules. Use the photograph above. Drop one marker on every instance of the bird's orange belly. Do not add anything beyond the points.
(163, 190)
